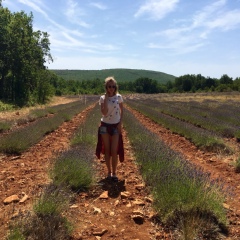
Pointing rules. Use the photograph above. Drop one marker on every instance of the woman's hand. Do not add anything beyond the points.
(104, 105)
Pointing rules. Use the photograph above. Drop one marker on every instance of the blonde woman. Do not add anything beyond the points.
(111, 125)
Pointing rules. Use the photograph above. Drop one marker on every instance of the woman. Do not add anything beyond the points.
(111, 123)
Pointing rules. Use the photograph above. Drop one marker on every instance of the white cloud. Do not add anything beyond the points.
(157, 9)
(216, 16)
(98, 5)
(35, 5)
(195, 34)
(227, 21)
(64, 41)
(75, 13)
(183, 46)
(208, 13)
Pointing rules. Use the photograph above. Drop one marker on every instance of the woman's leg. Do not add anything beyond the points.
(106, 143)
(114, 149)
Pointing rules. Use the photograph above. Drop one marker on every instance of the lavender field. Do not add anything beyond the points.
(187, 199)
(206, 119)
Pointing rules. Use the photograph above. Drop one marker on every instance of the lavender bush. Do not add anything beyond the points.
(4, 125)
(74, 169)
(46, 220)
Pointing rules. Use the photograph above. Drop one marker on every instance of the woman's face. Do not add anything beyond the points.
(111, 87)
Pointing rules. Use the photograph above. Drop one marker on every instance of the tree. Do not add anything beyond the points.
(236, 84)
(5, 53)
(184, 83)
(210, 83)
(225, 79)
(146, 85)
(23, 54)
(169, 86)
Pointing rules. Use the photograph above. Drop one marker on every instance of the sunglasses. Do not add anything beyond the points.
(111, 86)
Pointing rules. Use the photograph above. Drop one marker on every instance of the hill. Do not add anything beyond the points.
(121, 74)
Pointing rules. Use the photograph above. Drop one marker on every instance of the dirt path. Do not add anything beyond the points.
(118, 211)
(108, 209)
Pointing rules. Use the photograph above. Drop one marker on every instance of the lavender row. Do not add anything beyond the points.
(18, 141)
(221, 119)
(179, 187)
(202, 138)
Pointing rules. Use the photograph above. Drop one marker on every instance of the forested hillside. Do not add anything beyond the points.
(121, 74)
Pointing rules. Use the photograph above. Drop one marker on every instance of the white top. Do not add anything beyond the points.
(114, 112)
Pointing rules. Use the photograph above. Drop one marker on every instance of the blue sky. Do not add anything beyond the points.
(173, 36)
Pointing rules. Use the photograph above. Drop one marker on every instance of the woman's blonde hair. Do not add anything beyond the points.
(111, 79)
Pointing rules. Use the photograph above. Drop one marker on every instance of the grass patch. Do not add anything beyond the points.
(6, 106)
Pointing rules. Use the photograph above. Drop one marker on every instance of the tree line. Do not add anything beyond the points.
(24, 79)
(185, 83)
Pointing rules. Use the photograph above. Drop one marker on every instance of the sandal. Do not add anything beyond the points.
(115, 178)
(109, 176)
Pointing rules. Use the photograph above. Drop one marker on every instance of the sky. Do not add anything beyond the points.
(176, 37)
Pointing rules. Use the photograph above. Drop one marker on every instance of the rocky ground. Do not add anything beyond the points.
(110, 210)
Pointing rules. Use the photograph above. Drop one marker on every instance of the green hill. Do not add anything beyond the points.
(120, 74)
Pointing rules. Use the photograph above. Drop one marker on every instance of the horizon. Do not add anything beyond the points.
(133, 69)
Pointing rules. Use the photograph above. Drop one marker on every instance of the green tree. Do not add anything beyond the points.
(236, 84)
(5, 54)
(225, 79)
(146, 85)
(44, 89)
(23, 54)
(184, 83)
(169, 86)
(210, 83)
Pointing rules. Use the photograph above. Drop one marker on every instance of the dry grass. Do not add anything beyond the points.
(23, 112)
